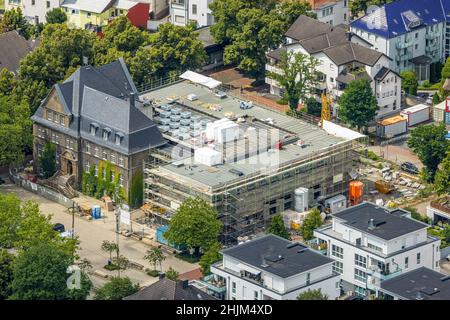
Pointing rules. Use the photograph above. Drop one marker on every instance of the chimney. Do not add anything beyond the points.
(162, 275)
(185, 284)
(371, 224)
(132, 99)
(349, 36)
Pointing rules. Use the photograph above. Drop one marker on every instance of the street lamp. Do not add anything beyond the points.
(117, 214)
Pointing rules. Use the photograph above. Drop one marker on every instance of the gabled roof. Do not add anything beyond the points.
(305, 27)
(333, 37)
(352, 52)
(276, 255)
(166, 289)
(402, 16)
(13, 47)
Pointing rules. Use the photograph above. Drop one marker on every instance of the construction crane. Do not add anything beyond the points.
(326, 107)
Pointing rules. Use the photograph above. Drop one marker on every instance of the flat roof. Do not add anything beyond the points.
(419, 284)
(388, 224)
(315, 138)
(417, 107)
(278, 256)
(391, 120)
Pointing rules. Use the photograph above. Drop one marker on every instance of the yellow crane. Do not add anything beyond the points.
(326, 107)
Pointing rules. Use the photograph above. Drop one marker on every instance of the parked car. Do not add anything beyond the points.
(59, 227)
(409, 167)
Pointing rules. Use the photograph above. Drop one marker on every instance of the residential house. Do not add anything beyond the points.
(182, 12)
(93, 118)
(439, 210)
(87, 14)
(414, 34)
(343, 57)
(371, 244)
(273, 268)
(333, 12)
(419, 284)
(214, 51)
(33, 10)
(166, 289)
(13, 48)
(158, 8)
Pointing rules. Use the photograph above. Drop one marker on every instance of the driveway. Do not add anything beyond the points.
(91, 235)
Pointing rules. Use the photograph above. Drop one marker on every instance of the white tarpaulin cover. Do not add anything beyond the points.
(340, 131)
(200, 79)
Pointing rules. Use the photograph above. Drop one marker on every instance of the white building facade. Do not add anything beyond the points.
(414, 38)
(342, 58)
(183, 12)
(333, 12)
(33, 8)
(371, 244)
(272, 268)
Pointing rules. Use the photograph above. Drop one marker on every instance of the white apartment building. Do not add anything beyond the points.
(184, 11)
(414, 34)
(333, 12)
(273, 268)
(33, 8)
(343, 57)
(371, 244)
(439, 210)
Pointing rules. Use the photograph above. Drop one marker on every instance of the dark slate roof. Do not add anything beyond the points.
(352, 52)
(394, 19)
(422, 60)
(263, 253)
(166, 289)
(382, 73)
(349, 77)
(305, 27)
(276, 54)
(419, 284)
(13, 47)
(387, 225)
(333, 37)
(103, 95)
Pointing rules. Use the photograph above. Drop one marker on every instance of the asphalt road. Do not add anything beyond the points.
(91, 235)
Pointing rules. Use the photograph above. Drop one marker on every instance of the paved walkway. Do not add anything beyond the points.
(91, 235)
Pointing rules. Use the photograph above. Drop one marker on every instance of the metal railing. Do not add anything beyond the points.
(155, 83)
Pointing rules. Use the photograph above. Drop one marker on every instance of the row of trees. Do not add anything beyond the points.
(34, 259)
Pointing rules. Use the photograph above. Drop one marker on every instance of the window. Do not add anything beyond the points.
(374, 247)
(67, 143)
(337, 251)
(418, 258)
(96, 171)
(121, 162)
(88, 147)
(256, 295)
(88, 166)
(360, 275)
(360, 261)
(113, 158)
(33, 2)
(406, 262)
(93, 129)
(112, 176)
(105, 134)
(194, 9)
(104, 155)
(308, 278)
(416, 35)
(49, 115)
(48, 4)
(96, 151)
(118, 139)
(233, 287)
(62, 120)
(338, 267)
(88, 14)
(120, 180)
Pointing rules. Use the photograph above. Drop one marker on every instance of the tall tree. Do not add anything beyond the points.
(6, 273)
(39, 273)
(277, 227)
(15, 129)
(172, 274)
(212, 255)
(194, 224)
(429, 144)
(56, 15)
(312, 221)
(297, 76)
(442, 180)
(47, 160)
(357, 105)
(14, 20)
(409, 82)
(109, 247)
(7, 82)
(116, 289)
(155, 256)
(312, 295)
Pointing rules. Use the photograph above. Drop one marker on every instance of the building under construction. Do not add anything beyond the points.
(245, 160)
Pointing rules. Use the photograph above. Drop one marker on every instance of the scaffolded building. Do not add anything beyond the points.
(274, 155)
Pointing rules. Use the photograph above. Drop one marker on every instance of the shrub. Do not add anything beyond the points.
(153, 273)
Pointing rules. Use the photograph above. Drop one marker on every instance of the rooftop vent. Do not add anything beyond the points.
(419, 296)
(371, 224)
(292, 245)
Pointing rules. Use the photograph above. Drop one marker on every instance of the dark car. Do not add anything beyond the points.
(409, 167)
(59, 227)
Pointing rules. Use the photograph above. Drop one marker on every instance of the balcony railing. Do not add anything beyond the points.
(404, 57)
(432, 35)
(405, 44)
(217, 286)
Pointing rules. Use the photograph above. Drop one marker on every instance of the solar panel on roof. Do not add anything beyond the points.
(411, 19)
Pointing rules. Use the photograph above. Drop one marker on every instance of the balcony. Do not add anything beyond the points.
(273, 68)
(404, 57)
(403, 45)
(215, 285)
(442, 204)
(432, 35)
(178, 3)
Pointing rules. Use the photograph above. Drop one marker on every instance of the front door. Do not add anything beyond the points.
(69, 168)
